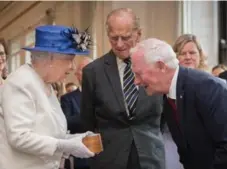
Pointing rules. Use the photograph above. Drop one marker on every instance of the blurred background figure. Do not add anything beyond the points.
(57, 89)
(70, 103)
(190, 53)
(216, 70)
(69, 87)
(78, 73)
(3, 59)
(223, 75)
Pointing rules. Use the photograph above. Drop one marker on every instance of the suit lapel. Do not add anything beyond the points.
(111, 70)
(77, 96)
(142, 95)
(180, 96)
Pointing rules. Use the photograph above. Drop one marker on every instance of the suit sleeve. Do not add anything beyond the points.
(20, 117)
(213, 111)
(72, 117)
(162, 122)
(88, 100)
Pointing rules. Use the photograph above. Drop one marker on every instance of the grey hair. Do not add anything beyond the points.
(35, 56)
(38, 55)
(157, 50)
(120, 12)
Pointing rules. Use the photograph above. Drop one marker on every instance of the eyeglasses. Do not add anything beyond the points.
(123, 38)
(126, 38)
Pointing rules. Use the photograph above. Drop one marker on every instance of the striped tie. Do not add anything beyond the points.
(129, 88)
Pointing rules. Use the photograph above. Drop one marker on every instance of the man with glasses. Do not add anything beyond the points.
(114, 106)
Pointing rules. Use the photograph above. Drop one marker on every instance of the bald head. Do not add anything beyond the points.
(82, 63)
(154, 50)
(122, 13)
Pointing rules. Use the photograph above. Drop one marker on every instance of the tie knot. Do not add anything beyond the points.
(127, 61)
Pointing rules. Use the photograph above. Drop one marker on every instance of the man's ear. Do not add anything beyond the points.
(161, 65)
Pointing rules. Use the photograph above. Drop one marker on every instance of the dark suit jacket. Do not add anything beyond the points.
(201, 135)
(103, 111)
(70, 103)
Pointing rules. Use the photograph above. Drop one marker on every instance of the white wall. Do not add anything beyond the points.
(201, 19)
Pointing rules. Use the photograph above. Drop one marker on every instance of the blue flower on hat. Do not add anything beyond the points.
(80, 40)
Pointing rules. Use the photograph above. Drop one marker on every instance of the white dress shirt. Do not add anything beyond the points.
(172, 156)
(173, 86)
(121, 67)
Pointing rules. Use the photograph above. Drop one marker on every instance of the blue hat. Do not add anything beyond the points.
(61, 39)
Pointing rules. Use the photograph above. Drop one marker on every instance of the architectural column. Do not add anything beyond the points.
(201, 18)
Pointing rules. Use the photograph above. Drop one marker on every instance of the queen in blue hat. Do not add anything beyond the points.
(33, 127)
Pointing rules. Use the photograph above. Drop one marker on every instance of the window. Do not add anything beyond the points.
(17, 56)
(14, 57)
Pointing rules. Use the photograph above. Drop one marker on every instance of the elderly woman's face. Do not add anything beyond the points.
(60, 67)
(2, 57)
(189, 55)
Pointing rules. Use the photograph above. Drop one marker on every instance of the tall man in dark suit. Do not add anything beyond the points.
(114, 106)
(194, 104)
(70, 103)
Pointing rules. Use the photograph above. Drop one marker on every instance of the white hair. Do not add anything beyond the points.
(157, 50)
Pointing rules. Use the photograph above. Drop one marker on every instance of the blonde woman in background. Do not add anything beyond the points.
(189, 52)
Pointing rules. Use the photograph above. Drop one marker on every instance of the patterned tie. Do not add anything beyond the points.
(129, 88)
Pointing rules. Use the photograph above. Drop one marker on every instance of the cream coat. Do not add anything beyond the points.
(29, 124)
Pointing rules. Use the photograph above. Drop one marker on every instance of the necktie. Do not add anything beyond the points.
(129, 88)
(172, 102)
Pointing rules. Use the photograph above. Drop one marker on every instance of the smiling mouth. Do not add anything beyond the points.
(121, 50)
(188, 63)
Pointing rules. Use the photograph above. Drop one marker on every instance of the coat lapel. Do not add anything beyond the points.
(180, 96)
(41, 86)
(142, 95)
(77, 96)
(113, 76)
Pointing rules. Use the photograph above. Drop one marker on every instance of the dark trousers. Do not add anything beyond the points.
(68, 165)
(133, 159)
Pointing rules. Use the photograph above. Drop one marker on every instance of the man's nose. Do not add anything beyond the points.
(188, 56)
(120, 43)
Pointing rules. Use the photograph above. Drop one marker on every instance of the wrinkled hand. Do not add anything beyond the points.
(74, 145)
